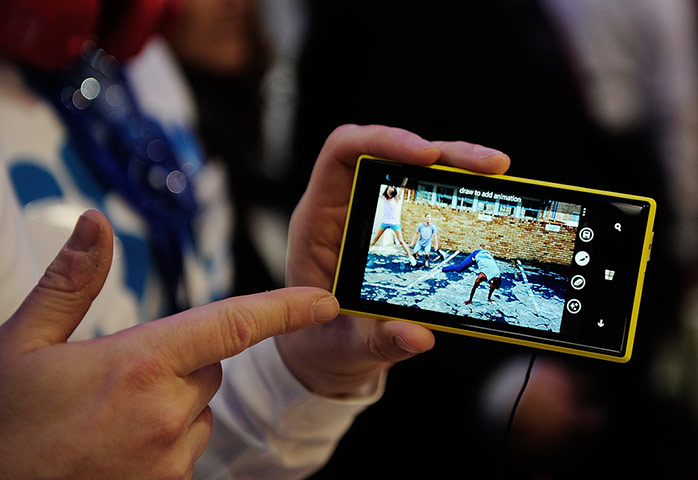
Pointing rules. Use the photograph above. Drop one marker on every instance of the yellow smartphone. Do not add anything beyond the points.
(538, 264)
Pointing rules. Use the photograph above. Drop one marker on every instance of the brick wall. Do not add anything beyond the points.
(505, 237)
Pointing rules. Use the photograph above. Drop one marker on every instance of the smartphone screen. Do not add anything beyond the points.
(533, 263)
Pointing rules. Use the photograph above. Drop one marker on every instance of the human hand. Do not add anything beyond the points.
(342, 357)
(128, 405)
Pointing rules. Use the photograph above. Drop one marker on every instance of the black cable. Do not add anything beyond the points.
(516, 405)
(518, 398)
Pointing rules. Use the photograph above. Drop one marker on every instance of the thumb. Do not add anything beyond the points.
(59, 301)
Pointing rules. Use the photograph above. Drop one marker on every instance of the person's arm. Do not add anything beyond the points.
(492, 289)
(415, 237)
(480, 278)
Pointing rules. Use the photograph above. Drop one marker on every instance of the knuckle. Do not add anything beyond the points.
(339, 134)
(64, 289)
(172, 426)
(142, 371)
(238, 329)
(176, 468)
(379, 352)
(244, 322)
(71, 272)
(57, 277)
(342, 130)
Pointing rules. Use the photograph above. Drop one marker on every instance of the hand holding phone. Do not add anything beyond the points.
(351, 348)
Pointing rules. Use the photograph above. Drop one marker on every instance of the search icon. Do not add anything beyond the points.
(617, 226)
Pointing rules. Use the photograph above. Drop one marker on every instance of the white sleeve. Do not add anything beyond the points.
(267, 425)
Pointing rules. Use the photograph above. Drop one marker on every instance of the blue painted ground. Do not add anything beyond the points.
(531, 295)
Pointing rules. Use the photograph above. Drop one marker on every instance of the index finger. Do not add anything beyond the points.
(333, 172)
(347, 142)
(472, 156)
(210, 333)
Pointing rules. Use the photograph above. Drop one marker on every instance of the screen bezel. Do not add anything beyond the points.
(616, 341)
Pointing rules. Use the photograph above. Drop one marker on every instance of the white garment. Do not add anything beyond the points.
(391, 211)
(487, 265)
(267, 425)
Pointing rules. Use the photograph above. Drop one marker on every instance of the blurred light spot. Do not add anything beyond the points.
(79, 101)
(176, 181)
(67, 96)
(157, 150)
(107, 65)
(90, 88)
(189, 168)
(115, 95)
(157, 177)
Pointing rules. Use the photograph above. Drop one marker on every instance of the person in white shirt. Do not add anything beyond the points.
(390, 201)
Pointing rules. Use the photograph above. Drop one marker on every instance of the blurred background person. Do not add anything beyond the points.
(225, 52)
(611, 87)
(239, 56)
(95, 114)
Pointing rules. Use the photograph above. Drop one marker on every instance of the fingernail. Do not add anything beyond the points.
(421, 144)
(484, 152)
(403, 345)
(84, 235)
(325, 309)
